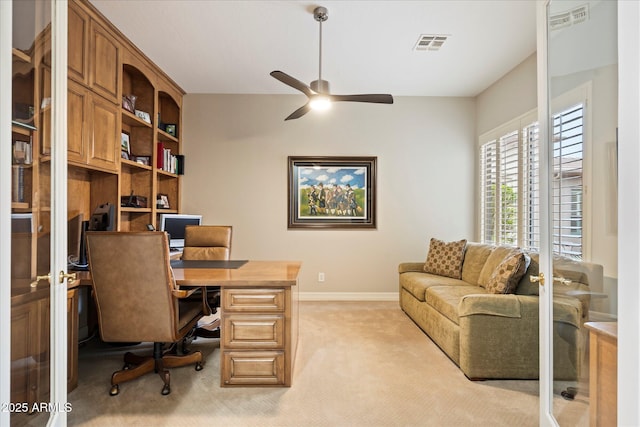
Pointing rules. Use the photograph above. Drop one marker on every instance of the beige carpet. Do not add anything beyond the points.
(358, 364)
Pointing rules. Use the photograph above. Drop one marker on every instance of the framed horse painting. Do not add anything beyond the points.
(332, 192)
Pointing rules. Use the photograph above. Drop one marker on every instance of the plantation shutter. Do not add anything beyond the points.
(488, 184)
(509, 169)
(568, 147)
(531, 186)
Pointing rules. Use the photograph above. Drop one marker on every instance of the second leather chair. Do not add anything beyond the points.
(208, 242)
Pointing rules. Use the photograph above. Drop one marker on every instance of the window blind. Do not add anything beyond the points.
(509, 174)
(511, 163)
(489, 199)
(567, 181)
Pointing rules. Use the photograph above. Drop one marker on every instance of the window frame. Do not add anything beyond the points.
(579, 95)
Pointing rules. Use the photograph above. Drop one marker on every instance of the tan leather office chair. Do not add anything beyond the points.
(208, 242)
(138, 301)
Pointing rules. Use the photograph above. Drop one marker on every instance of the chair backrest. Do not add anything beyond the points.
(133, 284)
(207, 242)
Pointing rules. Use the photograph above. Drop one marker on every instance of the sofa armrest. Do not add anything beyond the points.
(406, 267)
(503, 305)
(502, 342)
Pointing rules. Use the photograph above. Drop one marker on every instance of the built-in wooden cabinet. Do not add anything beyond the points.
(102, 66)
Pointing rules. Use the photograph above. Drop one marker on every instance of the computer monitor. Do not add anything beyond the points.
(22, 223)
(174, 225)
(103, 218)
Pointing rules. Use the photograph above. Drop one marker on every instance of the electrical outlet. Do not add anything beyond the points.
(320, 277)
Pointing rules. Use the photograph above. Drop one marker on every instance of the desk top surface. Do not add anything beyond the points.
(253, 273)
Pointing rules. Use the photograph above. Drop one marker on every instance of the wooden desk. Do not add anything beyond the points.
(603, 373)
(259, 316)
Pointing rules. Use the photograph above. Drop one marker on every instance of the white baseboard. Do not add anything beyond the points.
(349, 296)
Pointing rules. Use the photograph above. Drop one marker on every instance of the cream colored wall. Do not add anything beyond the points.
(236, 149)
(512, 95)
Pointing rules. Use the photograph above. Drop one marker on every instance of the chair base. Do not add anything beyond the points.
(136, 365)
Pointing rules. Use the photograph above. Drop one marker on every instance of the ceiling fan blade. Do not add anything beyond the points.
(293, 82)
(375, 98)
(299, 112)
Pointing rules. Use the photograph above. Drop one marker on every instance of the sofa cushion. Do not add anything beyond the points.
(445, 299)
(475, 256)
(445, 259)
(498, 254)
(508, 273)
(417, 283)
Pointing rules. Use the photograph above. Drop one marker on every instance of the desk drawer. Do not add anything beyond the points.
(262, 300)
(253, 368)
(245, 331)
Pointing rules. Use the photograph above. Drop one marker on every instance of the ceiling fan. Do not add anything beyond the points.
(318, 90)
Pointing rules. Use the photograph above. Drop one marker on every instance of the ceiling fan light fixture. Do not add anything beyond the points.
(318, 94)
(320, 103)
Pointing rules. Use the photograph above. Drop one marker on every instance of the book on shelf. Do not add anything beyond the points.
(160, 156)
(169, 162)
(17, 184)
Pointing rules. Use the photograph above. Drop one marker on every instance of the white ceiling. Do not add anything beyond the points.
(211, 46)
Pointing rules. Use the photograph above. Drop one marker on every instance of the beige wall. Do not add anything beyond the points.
(236, 149)
(512, 95)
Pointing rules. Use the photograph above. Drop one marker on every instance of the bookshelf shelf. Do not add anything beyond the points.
(134, 165)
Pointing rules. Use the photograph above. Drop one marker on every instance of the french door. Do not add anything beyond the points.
(578, 116)
(33, 212)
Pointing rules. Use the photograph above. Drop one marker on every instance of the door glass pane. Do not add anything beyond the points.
(31, 212)
(582, 55)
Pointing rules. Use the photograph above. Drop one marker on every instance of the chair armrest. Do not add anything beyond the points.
(183, 293)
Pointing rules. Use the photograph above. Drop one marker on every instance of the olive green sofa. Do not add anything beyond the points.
(495, 336)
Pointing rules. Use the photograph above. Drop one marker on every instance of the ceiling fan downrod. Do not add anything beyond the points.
(320, 14)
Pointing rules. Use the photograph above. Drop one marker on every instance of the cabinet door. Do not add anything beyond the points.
(78, 43)
(77, 101)
(25, 339)
(104, 134)
(104, 62)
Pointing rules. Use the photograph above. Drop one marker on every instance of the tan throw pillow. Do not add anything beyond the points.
(445, 259)
(508, 273)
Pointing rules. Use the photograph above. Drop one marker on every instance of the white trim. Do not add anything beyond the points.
(628, 207)
(6, 22)
(546, 294)
(349, 296)
(58, 294)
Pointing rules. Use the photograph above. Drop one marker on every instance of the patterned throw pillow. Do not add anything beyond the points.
(508, 273)
(445, 259)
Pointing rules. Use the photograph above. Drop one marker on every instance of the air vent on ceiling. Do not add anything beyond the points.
(568, 18)
(430, 41)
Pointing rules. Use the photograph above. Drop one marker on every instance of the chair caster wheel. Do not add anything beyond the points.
(115, 389)
(166, 389)
(199, 366)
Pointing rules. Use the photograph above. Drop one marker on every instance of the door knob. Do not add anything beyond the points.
(539, 278)
(562, 280)
(38, 278)
(71, 276)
